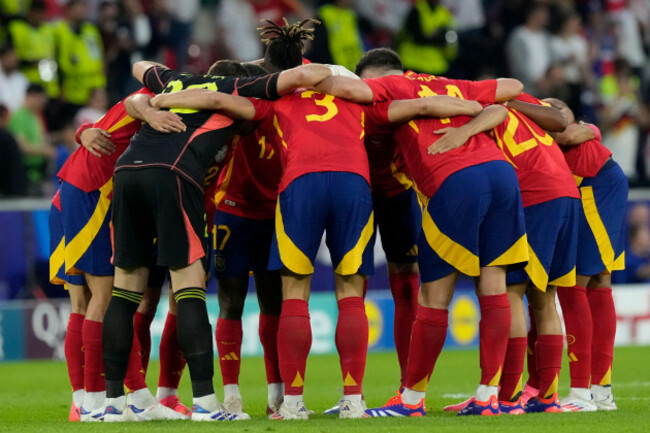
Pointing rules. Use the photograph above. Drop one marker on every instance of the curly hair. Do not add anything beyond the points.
(285, 44)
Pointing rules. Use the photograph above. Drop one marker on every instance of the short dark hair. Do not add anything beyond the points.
(227, 68)
(379, 58)
(36, 89)
(284, 44)
(254, 70)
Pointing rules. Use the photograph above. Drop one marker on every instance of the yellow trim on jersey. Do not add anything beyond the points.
(453, 253)
(517, 253)
(78, 246)
(566, 280)
(291, 256)
(120, 123)
(57, 259)
(276, 125)
(351, 261)
(223, 188)
(619, 263)
(597, 227)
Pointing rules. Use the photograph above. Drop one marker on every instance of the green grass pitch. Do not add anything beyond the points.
(35, 398)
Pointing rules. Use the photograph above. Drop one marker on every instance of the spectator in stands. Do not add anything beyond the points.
(94, 109)
(637, 257)
(182, 17)
(33, 41)
(428, 41)
(130, 37)
(628, 34)
(80, 55)
(27, 125)
(623, 116)
(236, 24)
(570, 51)
(276, 10)
(13, 84)
(528, 47)
(338, 39)
(66, 143)
(159, 21)
(13, 180)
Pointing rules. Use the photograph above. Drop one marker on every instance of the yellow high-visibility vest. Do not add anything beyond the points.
(423, 57)
(344, 40)
(81, 61)
(36, 46)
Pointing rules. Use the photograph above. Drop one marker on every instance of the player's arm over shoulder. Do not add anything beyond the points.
(202, 99)
(576, 133)
(404, 110)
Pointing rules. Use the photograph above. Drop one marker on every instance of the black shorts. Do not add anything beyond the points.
(157, 203)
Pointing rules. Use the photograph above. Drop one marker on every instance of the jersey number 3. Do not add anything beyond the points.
(326, 101)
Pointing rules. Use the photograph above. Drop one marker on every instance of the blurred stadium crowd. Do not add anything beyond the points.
(64, 62)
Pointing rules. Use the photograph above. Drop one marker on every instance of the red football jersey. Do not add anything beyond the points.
(248, 187)
(389, 175)
(541, 169)
(86, 171)
(414, 138)
(586, 159)
(314, 132)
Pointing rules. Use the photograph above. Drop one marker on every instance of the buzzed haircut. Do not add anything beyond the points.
(254, 70)
(379, 58)
(225, 68)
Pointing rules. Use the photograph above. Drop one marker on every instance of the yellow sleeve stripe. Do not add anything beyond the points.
(122, 122)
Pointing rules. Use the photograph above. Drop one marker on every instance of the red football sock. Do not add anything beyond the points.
(294, 342)
(74, 356)
(513, 369)
(135, 374)
(142, 330)
(352, 342)
(91, 334)
(427, 338)
(533, 379)
(601, 303)
(172, 361)
(548, 355)
(229, 337)
(494, 331)
(268, 330)
(405, 288)
(579, 333)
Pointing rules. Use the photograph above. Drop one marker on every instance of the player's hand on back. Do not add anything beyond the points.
(97, 141)
(452, 138)
(165, 121)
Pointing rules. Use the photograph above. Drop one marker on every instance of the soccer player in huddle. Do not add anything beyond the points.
(81, 252)
(320, 191)
(473, 235)
(243, 230)
(588, 306)
(550, 202)
(159, 194)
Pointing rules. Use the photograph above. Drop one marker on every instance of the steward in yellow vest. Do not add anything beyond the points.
(33, 42)
(428, 43)
(80, 55)
(338, 35)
